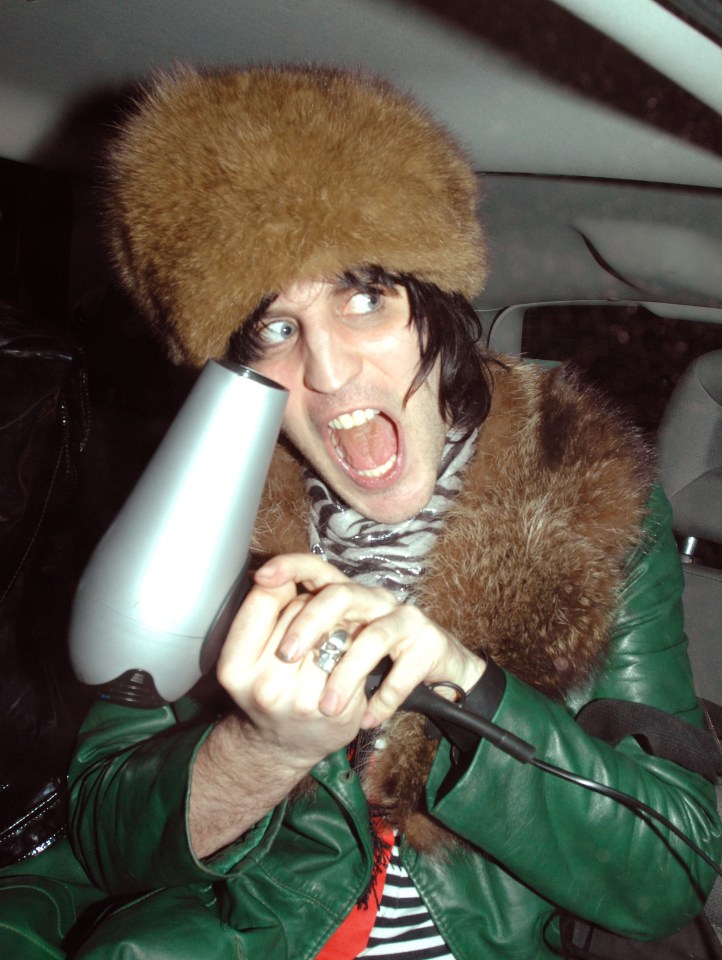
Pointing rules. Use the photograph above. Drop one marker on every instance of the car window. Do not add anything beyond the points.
(630, 352)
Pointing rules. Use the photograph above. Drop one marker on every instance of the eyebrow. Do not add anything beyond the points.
(268, 313)
(366, 280)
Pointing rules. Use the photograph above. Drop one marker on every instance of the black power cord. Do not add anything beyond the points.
(445, 712)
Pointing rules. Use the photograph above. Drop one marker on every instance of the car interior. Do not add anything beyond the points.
(596, 131)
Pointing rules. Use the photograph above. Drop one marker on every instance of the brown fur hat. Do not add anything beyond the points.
(225, 187)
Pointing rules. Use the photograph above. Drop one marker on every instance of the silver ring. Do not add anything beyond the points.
(327, 656)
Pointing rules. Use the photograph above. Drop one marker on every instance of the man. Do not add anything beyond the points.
(490, 527)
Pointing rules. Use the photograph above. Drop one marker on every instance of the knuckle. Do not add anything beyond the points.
(227, 671)
(223, 669)
(306, 705)
(390, 694)
(341, 591)
(263, 696)
(412, 617)
(385, 596)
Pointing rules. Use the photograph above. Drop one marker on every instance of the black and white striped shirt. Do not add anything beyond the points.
(403, 926)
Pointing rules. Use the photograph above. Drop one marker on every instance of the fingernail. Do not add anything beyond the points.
(267, 570)
(369, 721)
(288, 651)
(329, 704)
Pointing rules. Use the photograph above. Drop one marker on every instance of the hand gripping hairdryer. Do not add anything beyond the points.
(157, 597)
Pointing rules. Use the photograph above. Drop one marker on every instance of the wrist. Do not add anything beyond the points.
(486, 694)
(472, 670)
(243, 738)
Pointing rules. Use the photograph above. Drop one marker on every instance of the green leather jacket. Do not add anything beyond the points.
(530, 843)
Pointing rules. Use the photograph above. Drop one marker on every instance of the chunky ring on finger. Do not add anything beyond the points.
(327, 656)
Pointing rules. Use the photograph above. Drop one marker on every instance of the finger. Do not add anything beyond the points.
(380, 639)
(299, 568)
(415, 645)
(249, 663)
(255, 621)
(338, 605)
(296, 687)
(396, 687)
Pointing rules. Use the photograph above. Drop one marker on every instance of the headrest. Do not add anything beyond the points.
(690, 449)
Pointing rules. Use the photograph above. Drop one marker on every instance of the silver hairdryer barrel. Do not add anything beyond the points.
(166, 579)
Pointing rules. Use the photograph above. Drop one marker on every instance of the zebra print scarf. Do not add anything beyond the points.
(380, 554)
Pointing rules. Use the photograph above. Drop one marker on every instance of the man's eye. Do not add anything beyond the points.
(277, 331)
(365, 302)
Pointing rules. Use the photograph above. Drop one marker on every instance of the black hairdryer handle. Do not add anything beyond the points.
(448, 715)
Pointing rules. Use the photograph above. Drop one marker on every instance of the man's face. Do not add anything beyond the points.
(348, 357)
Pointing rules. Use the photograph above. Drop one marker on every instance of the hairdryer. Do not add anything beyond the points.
(155, 602)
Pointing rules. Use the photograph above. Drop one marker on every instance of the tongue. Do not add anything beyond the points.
(369, 445)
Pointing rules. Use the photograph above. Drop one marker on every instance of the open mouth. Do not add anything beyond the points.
(366, 442)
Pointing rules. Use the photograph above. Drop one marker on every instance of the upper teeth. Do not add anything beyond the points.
(354, 419)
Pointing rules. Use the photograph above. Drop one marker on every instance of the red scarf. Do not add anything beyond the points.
(353, 934)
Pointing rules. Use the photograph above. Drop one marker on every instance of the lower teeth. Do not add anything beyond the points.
(373, 472)
(379, 471)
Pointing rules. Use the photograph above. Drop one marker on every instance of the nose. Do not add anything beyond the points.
(330, 361)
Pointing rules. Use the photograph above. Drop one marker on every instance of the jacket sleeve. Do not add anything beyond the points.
(582, 851)
(129, 784)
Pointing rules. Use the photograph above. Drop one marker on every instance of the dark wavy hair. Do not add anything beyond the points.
(449, 331)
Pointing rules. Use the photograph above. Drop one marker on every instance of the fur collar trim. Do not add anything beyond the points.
(532, 558)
